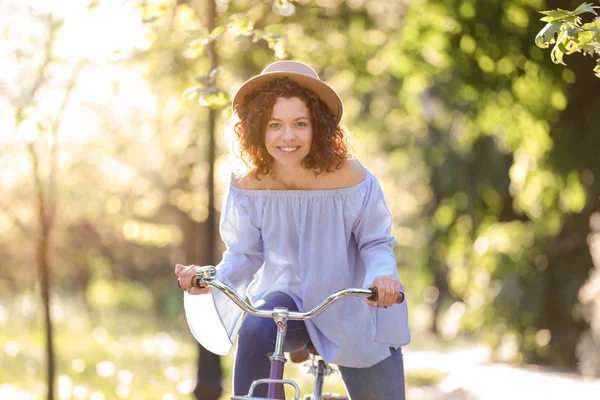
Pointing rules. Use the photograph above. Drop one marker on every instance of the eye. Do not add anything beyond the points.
(301, 124)
(274, 125)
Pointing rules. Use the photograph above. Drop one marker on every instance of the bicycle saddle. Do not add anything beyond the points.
(300, 356)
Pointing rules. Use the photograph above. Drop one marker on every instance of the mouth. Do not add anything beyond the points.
(288, 149)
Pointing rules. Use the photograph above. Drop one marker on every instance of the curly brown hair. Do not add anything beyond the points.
(329, 147)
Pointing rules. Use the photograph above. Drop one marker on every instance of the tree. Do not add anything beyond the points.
(40, 134)
(507, 140)
(565, 31)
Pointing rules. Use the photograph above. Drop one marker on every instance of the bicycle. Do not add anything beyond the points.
(205, 277)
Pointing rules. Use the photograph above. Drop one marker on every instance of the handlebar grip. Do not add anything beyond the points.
(196, 283)
(375, 295)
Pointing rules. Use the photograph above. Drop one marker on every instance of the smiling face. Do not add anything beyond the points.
(284, 125)
(288, 134)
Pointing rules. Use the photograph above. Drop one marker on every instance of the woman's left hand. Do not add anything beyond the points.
(387, 291)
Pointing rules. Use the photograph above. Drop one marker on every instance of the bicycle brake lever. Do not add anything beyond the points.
(206, 273)
(198, 283)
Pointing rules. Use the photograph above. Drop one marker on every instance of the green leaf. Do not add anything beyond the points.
(195, 48)
(280, 50)
(587, 7)
(151, 19)
(205, 80)
(274, 30)
(93, 4)
(218, 31)
(153, 13)
(592, 26)
(555, 15)
(559, 14)
(240, 24)
(214, 73)
(191, 93)
(284, 8)
(597, 68)
(546, 36)
(559, 49)
(213, 98)
(579, 40)
(273, 35)
(199, 33)
(258, 35)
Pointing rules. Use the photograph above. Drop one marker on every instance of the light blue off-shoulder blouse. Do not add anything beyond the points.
(307, 244)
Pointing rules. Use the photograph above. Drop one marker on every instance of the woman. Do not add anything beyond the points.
(304, 220)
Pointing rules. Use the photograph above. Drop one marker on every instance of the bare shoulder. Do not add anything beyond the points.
(351, 173)
(247, 181)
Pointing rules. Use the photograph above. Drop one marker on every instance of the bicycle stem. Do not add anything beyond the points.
(278, 360)
(280, 316)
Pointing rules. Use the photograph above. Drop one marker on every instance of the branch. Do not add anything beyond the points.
(27, 100)
(29, 96)
(15, 219)
(54, 147)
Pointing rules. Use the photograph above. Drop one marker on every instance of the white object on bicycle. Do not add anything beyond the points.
(206, 327)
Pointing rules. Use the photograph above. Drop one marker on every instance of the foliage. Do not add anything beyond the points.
(564, 29)
(487, 153)
(236, 25)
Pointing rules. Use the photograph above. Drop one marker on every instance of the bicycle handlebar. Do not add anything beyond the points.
(205, 278)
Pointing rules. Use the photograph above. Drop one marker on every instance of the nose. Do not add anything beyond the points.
(288, 134)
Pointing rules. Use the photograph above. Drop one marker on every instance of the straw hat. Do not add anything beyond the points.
(300, 73)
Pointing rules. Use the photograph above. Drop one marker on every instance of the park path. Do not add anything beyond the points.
(471, 376)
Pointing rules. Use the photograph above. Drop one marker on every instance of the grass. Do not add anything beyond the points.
(124, 355)
(117, 354)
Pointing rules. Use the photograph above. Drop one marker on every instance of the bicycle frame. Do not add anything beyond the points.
(205, 276)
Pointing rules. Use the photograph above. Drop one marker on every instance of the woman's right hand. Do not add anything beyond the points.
(185, 275)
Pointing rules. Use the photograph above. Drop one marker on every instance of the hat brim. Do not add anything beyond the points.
(320, 88)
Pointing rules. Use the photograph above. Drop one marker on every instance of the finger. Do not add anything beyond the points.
(186, 275)
(178, 268)
(188, 268)
(389, 295)
(192, 290)
(193, 281)
(186, 278)
(372, 304)
(382, 293)
(395, 291)
(181, 270)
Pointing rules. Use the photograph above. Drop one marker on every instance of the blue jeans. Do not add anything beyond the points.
(256, 342)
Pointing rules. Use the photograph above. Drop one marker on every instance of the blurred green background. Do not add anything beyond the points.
(487, 152)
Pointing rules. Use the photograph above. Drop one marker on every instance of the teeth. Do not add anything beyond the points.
(288, 149)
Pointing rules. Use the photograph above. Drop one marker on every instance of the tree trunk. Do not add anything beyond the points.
(43, 265)
(208, 385)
